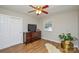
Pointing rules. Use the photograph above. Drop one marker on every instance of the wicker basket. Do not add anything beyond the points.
(67, 45)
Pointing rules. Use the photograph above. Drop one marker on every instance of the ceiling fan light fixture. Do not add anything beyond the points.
(38, 11)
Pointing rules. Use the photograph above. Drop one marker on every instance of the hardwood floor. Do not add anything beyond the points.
(34, 47)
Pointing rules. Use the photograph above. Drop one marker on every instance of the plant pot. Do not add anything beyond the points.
(62, 44)
(67, 45)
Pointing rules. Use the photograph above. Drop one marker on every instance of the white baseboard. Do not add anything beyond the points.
(52, 40)
(10, 45)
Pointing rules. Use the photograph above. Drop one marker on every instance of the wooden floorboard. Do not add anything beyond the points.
(34, 47)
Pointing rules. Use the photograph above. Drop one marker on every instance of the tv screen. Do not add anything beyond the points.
(32, 27)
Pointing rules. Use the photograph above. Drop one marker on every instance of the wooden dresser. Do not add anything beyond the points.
(29, 37)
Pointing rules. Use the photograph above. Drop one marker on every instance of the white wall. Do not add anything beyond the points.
(63, 22)
(26, 19)
(78, 24)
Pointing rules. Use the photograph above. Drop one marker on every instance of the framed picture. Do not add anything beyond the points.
(48, 26)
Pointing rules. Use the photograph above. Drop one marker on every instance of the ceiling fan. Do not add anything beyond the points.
(39, 9)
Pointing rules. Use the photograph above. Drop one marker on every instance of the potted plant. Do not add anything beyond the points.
(66, 42)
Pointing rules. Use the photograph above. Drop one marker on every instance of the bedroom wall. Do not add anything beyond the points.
(62, 22)
(26, 19)
(78, 24)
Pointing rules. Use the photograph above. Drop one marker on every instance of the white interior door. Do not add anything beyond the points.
(11, 32)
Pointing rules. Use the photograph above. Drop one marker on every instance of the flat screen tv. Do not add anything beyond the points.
(32, 27)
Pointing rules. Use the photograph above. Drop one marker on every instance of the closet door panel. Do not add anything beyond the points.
(10, 31)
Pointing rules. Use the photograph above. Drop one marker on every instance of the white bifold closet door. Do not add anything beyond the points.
(11, 31)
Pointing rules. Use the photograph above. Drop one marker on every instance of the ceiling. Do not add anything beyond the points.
(52, 9)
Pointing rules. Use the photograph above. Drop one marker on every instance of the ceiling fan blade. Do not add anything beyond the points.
(46, 6)
(31, 11)
(45, 12)
(32, 6)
